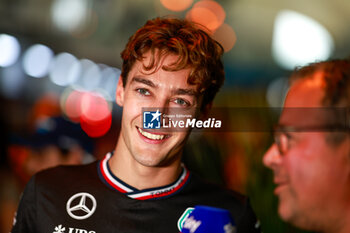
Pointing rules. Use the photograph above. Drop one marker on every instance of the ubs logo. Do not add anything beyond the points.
(62, 229)
(81, 206)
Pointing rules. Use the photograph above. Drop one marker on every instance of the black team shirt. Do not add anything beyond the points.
(90, 199)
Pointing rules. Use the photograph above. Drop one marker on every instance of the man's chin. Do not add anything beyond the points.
(289, 213)
(285, 211)
(148, 161)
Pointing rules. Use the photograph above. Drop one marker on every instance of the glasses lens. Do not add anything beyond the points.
(281, 140)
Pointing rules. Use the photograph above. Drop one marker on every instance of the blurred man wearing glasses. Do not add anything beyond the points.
(311, 154)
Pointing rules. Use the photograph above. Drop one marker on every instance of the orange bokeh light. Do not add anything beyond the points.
(207, 13)
(176, 5)
(226, 36)
(47, 105)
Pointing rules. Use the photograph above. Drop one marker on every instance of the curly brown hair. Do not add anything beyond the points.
(194, 47)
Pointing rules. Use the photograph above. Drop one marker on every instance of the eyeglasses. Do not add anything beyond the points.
(283, 137)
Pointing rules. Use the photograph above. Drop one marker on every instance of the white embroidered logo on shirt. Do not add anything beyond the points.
(81, 206)
(59, 229)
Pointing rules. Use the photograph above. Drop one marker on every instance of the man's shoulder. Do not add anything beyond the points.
(66, 174)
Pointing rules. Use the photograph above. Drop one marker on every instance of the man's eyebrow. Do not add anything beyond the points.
(144, 81)
(181, 91)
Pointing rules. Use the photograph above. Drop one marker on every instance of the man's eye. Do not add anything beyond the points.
(182, 102)
(143, 91)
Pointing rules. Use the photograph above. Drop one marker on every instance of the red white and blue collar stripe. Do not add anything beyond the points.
(111, 180)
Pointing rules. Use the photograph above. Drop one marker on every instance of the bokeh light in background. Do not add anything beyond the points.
(70, 15)
(89, 93)
(70, 104)
(96, 128)
(46, 106)
(96, 116)
(226, 36)
(90, 27)
(176, 5)
(207, 13)
(299, 40)
(89, 76)
(94, 106)
(12, 81)
(37, 60)
(65, 69)
(110, 77)
(10, 50)
(90, 109)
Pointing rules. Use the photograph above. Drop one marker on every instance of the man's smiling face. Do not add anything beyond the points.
(159, 89)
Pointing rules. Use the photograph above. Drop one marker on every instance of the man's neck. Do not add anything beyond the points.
(124, 166)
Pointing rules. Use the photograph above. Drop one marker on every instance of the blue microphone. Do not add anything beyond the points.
(206, 219)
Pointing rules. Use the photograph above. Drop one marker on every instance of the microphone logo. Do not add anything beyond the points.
(228, 228)
(207, 219)
(191, 224)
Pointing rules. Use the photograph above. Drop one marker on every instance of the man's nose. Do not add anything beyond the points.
(272, 157)
(160, 102)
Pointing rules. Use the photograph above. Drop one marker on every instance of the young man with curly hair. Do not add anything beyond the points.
(142, 186)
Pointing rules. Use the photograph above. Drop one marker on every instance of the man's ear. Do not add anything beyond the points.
(119, 95)
(204, 113)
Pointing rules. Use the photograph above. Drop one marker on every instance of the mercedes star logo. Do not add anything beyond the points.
(81, 206)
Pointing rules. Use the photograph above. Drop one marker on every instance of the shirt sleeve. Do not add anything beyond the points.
(248, 222)
(25, 217)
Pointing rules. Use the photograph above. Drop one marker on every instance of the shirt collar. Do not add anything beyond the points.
(153, 193)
